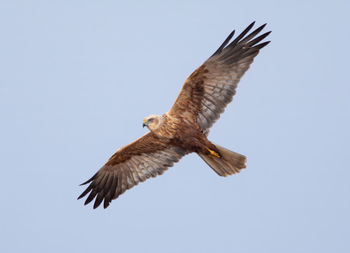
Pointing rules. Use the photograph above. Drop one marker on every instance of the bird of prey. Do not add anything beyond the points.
(185, 127)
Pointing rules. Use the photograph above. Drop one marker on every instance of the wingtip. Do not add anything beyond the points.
(227, 40)
(86, 182)
(261, 45)
(250, 26)
(89, 180)
(259, 28)
(231, 34)
(263, 26)
(87, 202)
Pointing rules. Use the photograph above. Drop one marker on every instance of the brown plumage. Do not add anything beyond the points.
(184, 129)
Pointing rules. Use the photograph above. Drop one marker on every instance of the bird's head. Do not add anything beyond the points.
(152, 122)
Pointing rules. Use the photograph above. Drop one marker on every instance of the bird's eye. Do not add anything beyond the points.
(151, 119)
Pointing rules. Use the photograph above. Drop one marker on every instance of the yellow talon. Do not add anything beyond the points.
(213, 153)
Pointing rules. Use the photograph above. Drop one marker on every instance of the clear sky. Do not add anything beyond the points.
(78, 77)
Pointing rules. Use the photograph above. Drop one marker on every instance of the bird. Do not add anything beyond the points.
(185, 127)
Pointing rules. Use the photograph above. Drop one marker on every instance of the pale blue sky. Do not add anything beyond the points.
(78, 77)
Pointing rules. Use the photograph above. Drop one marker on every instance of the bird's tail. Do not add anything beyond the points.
(227, 164)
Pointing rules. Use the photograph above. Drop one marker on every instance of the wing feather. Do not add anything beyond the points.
(147, 157)
(207, 91)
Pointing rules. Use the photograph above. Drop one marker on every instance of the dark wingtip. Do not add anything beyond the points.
(261, 45)
(106, 202)
(260, 28)
(250, 26)
(98, 200)
(239, 37)
(267, 33)
(257, 39)
(229, 37)
(87, 190)
(227, 40)
(91, 196)
(263, 36)
(88, 181)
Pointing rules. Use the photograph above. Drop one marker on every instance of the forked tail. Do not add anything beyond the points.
(229, 163)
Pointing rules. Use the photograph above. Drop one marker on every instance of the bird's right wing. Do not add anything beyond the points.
(147, 157)
(208, 90)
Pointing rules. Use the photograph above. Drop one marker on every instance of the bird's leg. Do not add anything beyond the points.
(213, 153)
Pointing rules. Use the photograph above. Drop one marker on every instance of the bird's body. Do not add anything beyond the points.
(185, 127)
(181, 133)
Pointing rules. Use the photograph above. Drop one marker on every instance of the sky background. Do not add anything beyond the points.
(78, 77)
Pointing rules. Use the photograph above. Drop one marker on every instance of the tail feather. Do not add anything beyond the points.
(229, 163)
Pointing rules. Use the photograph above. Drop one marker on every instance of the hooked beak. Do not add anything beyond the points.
(143, 125)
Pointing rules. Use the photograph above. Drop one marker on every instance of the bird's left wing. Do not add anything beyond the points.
(208, 90)
(146, 157)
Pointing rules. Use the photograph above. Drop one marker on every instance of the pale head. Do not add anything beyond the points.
(153, 122)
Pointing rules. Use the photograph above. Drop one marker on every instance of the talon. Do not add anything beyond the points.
(213, 153)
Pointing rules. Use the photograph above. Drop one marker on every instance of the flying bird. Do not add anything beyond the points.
(185, 127)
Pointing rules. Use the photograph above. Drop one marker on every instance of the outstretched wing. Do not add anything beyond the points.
(208, 90)
(147, 157)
